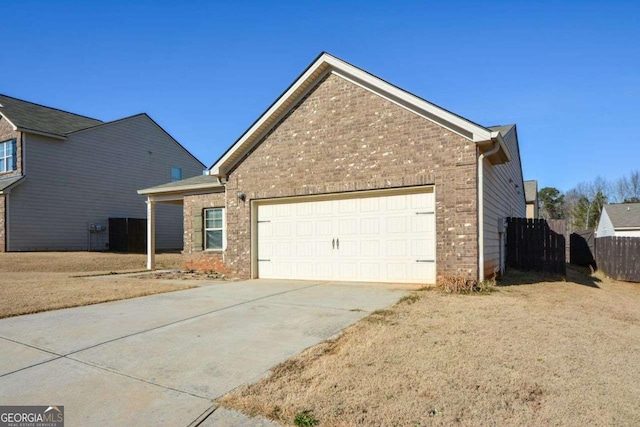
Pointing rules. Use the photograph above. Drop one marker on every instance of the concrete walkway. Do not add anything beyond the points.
(163, 359)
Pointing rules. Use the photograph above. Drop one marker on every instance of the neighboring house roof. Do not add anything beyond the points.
(7, 183)
(35, 118)
(531, 191)
(196, 183)
(624, 215)
(27, 116)
(326, 64)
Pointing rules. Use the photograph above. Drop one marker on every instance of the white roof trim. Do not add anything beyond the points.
(182, 189)
(10, 122)
(329, 64)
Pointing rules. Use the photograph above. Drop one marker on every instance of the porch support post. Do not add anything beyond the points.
(151, 234)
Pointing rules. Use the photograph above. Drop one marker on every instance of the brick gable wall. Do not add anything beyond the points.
(342, 137)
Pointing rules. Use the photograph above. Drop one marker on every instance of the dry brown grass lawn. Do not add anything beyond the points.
(544, 353)
(39, 281)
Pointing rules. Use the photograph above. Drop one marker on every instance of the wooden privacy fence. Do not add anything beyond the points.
(532, 245)
(128, 235)
(619, 257)
(582, 251)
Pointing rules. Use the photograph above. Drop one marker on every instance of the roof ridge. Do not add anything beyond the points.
(50, 108)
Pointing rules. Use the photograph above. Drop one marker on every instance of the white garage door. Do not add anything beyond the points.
(381, 239)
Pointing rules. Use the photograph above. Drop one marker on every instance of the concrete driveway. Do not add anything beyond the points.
(162, 359)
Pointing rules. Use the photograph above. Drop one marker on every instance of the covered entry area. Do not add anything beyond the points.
(375, 236)
(173, 193)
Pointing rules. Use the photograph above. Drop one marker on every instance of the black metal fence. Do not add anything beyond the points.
(532, 245)
(127, 235)
(619, 257)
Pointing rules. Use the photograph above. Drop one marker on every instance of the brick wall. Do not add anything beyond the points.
(6, 133)
(195, 257)
(3, 217)
(342, 137)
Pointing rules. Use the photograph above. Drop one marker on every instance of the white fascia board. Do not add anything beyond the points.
(497, 136)
(215, 169)
(405, 99)
(178, 196)
(179, 190)
(10, 122)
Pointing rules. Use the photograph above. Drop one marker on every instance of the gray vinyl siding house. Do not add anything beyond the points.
(503, 197)
(73, 171)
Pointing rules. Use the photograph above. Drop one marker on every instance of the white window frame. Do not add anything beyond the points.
(221, 228)
(5, 158)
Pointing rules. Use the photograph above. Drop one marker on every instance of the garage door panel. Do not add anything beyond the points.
(396, 248)
(323, 227)
(397, 271)
(422, 269)
(421, 248)
(347, 248)
(381, 238)
(347, 206)
(370, 226)
(347, 227)
(371, 204)
(304, 228)
(370, 248)
(369, 271)
(347, 270)
(395, 203)
(322, 249)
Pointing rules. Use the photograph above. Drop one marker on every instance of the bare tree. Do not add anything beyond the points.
(634, 186)
(627, 188)
(587, 199)
(621, 188)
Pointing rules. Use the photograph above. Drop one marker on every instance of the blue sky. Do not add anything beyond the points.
(568, 73)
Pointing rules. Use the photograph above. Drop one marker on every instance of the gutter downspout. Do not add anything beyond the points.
(481, 157)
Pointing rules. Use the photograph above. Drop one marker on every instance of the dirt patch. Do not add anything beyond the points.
(41, 281)
(548, 353)
(186, 275)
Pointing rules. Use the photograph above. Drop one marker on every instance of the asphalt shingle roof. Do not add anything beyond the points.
(624, 214)
(8, 182)
(503, 129)
(39, 118)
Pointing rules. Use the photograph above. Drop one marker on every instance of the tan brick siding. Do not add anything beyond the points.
(342, 137)
(6, 133)
(3, 222)
(194, 207)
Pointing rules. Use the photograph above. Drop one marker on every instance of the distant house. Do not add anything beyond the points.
(62, 176)
(347, 177)
(531, 196)
(620, 220)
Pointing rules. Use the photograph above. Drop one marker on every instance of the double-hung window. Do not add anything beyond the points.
(214, 229)
(8, 156)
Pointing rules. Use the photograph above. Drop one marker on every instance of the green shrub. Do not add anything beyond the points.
(305, 419)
